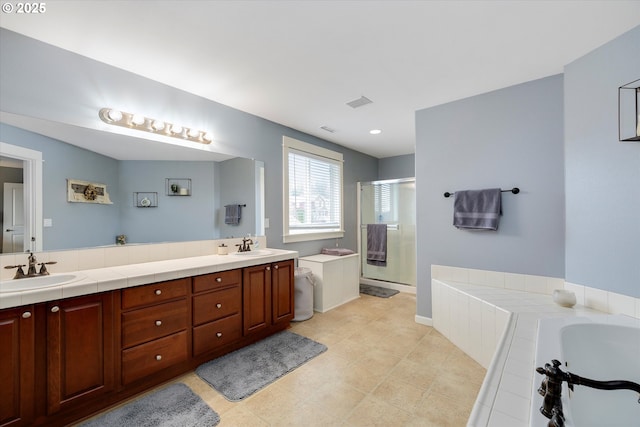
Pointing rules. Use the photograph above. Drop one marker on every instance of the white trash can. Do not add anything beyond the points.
(304, 283)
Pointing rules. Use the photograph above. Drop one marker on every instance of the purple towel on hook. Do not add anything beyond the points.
(377, 244)
(477, 209)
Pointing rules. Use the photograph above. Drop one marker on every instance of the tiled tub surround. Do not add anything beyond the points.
(493, 317)
(110, 268)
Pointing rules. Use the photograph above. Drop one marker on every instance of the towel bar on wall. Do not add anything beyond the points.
(514, 190)
(389, 226)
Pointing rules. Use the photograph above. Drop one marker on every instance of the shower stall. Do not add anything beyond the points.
(390, 202)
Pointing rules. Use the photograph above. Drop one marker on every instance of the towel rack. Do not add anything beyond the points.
(389, 226)
(244, 206)
(514, 190)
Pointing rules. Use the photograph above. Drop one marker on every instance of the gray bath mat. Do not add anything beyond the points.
(377, 291)
(172, 406)
(240, 374)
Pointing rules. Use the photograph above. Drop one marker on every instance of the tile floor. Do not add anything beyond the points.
(381, 369)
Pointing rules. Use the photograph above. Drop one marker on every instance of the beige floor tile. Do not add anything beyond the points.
(400, 394)
(441, 411)
(374, 412)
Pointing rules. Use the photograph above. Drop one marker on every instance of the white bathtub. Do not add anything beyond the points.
(599, 347)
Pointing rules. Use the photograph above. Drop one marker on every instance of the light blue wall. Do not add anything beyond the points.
(94, 224)
(40, 80)
(397, 167)
(177, 218)
(511, 137)
(602, 174)
(239, 189)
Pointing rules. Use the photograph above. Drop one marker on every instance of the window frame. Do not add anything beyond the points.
(314, 151)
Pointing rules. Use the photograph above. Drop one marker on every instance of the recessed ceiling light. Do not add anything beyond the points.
(375, 131)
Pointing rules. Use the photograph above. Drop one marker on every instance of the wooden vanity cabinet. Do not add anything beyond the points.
(17, 370)
(282, 307)
(66, 359)
(217, 311)
(267, 296)
(154, 329)
(80, 350)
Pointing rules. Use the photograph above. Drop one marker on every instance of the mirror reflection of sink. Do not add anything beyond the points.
(259, 252)
(39, 282)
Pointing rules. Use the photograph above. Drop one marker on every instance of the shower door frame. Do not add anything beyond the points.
(364, 280)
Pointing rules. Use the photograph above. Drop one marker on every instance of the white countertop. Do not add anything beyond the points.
(124, 276)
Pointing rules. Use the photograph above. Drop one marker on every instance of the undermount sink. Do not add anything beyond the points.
(39, 282)
(259, 252)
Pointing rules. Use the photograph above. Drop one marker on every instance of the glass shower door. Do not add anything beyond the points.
(390, 202)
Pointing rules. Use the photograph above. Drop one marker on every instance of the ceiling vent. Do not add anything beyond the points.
(357, 103)
(328, 129)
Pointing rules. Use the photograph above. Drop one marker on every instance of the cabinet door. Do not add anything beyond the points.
(256, 298)
(282, 304)
(17, 367)
(80, 352)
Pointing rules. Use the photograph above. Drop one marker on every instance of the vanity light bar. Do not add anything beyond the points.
(136, 121)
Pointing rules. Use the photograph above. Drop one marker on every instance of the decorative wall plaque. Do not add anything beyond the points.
(87, 192)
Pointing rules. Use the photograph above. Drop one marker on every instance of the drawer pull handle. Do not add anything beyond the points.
(276, 266)
(158, 357)
(158, 292)
(26, 314)
(158, 322)
(268, 268)
(218, 305)
(55, 309)
(219, 279)
(219, 334)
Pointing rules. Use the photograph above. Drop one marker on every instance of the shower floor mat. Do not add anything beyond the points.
(377, 291)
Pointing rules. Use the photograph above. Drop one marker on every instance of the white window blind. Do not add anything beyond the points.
(313, 192)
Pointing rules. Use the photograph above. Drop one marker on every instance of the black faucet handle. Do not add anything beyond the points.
(15, 266)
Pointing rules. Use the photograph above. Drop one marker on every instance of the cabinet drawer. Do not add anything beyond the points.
(216, 305)
(146, 359)
(149, 323)
(218, 280)
(154, 293)
(212, 335)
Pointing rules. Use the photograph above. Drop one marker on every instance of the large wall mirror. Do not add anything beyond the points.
(45, 155)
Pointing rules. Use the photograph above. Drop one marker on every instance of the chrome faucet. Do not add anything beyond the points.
(551, 389)
(31, 272)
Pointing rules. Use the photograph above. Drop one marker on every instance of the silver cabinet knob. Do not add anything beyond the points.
(219, 334)
(158, 357)
(55, 309)
(219, 279)
(26, 315)
(276, 266)
(218, 305)
(158, 322)
(158, 292)
(268, 268)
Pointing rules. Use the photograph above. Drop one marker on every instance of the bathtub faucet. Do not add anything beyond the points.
(551, 389)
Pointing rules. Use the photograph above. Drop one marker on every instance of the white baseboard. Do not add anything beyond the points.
(427, 321)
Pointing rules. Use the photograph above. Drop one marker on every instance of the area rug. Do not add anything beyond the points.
(239, 374)
(172, 406)
(377, 291)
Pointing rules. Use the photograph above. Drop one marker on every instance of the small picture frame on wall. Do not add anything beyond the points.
(145, 199)
(178, 186)
(79, 191)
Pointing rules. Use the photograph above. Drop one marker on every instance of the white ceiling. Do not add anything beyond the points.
(299, 62)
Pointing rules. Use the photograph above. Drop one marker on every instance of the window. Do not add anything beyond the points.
(312, 192)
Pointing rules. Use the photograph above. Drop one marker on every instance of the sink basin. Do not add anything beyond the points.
(40, 282)
(259, 252)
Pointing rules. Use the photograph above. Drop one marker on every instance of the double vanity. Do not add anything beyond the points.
(87, 339)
